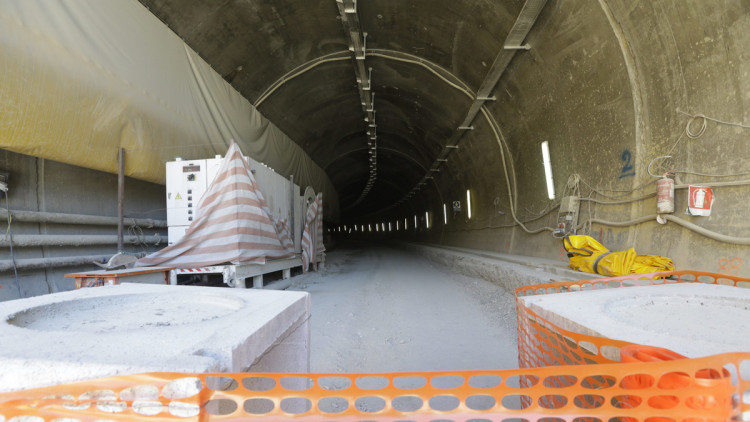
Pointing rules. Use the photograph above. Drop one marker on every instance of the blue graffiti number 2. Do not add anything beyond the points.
(627, 169)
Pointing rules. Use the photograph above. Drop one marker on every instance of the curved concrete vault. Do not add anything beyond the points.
(465, 91)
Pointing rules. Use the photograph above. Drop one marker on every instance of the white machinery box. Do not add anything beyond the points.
(188, 180)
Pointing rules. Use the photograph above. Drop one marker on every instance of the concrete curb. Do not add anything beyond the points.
(509, 271)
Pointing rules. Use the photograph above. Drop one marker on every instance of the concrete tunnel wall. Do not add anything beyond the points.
(41, 185)
(611, 85)
(605, 83)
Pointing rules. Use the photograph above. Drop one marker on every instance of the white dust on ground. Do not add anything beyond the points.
(376, 309)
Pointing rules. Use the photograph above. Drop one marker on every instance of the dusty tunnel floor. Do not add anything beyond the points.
(382, 309)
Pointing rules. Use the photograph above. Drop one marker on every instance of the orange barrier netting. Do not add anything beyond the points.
(542, 343)
(570, 393)
(658, 386)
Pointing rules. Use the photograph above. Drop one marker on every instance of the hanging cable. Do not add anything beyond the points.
(648, 169)
(740, 125)
(501, 141)
(701, 130)
(692, 133)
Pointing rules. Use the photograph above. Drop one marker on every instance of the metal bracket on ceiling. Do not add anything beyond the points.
(442, 160)
(515, 41)
(350, 6)
(369, 81)
(359, 53)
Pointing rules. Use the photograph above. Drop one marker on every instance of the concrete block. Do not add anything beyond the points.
(692, 319)
(136, 328)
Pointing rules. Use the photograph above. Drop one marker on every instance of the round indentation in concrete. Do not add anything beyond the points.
(119, 313)
(688, 316)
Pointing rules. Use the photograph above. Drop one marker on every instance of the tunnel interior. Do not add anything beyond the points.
(410, 106)
(456, 145)
(420, 120)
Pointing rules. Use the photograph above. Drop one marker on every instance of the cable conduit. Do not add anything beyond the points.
(679, 221)
(507, 177)
(31, 240)
(650, 195)
(80, 219)
(57, 262)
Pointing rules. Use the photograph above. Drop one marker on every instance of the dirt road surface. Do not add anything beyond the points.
(383, 309)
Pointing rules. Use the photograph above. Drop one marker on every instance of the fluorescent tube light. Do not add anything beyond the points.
(548, 170)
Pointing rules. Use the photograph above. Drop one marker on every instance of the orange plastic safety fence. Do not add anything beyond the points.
(715, 388)
(542, 343)
(707, 389)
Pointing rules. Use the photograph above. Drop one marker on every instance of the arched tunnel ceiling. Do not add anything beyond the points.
(292, 59)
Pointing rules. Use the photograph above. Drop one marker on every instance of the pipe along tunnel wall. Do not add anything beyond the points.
(72, 222)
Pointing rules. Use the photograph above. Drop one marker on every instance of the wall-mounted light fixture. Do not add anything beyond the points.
(548, 170)
(468, 202)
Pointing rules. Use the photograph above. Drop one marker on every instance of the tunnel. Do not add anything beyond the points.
(457, 145)
(419, 121)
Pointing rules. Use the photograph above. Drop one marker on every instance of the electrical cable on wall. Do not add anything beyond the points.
(513, 200)
(690, 130)
(694, 128)
(740, 125)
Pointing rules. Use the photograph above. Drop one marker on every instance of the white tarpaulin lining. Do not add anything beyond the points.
(82, 78)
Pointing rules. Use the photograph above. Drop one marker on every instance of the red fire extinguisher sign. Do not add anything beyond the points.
(700, 200)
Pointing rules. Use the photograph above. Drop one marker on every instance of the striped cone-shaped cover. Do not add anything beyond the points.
(312, 238)
(285, 234)
(232, 224)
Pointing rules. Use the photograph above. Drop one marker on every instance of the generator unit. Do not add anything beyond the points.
(188, 181)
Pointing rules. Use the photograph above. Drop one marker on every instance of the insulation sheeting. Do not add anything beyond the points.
(312, 237)
(82, 78)
(232, 224)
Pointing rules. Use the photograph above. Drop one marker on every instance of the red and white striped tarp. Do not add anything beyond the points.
(232, 224)
(312, 237)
